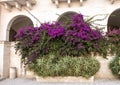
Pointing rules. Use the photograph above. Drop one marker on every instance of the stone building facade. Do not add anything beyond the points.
(15, 14)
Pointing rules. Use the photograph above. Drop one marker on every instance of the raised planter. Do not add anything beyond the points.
(104, 71)
(64, 79)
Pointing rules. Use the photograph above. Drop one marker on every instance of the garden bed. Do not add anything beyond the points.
(63, 53)
(64, 79)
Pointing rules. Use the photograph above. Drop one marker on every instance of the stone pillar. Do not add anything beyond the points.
(4, 59)
(15, 59)
(1, 58)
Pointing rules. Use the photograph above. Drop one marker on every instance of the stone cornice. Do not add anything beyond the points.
(9, 4)
(68, 2)
(57, 2)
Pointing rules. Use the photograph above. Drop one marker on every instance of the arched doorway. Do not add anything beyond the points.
(16, 23)
(114, 20)
(66, 18)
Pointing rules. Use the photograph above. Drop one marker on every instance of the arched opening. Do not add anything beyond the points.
(17, 23)
(14, 25)
(66, 18)
(114, 20)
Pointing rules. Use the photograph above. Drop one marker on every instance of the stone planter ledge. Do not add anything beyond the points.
(64, 79)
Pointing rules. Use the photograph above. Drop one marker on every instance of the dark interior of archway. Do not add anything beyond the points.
(66, 18)
(114, 20)
(20, 22)
(12, 34)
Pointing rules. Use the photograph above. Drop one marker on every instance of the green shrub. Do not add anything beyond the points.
(114, 41)
(65, 66)
(115, 66)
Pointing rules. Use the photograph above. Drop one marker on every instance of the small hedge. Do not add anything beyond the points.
(65, 66)
(115, 66)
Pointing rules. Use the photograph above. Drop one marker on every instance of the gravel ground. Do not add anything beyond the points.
(21, 81)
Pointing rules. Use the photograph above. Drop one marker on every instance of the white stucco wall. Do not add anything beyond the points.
(46, 11)
(6, 59)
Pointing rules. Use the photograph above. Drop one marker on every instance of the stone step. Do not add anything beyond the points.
(1, 78)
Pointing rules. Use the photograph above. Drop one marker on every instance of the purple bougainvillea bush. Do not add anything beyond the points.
(35, 42)
(82, 39)
(114, 41)
(78, 39)
(27, 41)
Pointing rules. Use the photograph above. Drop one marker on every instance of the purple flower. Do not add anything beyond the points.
(113, 32)
(81, 35)
(80, 46)
(114, 35)
(54, 30)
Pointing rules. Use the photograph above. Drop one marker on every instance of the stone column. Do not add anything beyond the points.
(15, 59)
(4, 59)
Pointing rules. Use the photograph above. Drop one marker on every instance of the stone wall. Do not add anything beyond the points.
(7, 54)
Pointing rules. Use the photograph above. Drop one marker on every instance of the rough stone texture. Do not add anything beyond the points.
(33, 82)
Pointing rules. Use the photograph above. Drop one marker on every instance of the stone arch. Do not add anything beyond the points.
(66, 17)
(114, 20)
(15, 23)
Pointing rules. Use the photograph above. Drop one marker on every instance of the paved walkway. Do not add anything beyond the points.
(21, 81)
